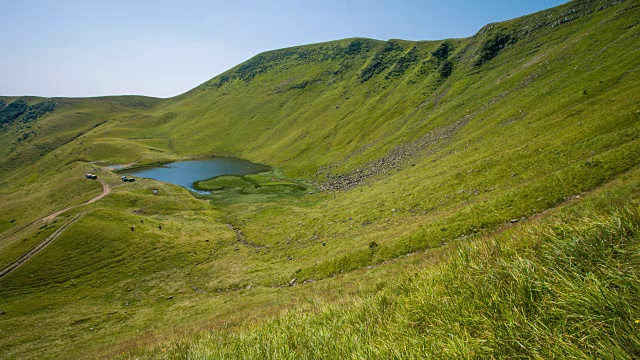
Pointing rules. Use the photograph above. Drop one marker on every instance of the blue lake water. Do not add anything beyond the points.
(186, 173)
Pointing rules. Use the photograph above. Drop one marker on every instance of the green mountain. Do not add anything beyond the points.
(428, 198)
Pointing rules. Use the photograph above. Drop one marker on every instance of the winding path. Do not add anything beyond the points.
(24, 258)
(106, 189)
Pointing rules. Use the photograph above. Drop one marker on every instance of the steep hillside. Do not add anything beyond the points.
(403, 148)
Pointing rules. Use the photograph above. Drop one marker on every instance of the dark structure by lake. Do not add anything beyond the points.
(186, 173)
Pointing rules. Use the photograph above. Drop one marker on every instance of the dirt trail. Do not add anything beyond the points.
(106, 189)
(9, 269)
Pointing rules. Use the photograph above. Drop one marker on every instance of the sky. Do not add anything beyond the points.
(164, 48)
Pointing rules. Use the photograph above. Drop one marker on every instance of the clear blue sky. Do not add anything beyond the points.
(163, 48)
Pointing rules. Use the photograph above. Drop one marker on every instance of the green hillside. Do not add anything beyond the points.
(399, 168)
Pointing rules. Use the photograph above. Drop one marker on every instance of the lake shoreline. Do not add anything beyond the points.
(187, 173)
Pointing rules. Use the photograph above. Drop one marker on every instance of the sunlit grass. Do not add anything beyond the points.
(551, 120)
(555, 289)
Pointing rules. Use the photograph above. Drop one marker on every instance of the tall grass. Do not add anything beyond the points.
(553, 290)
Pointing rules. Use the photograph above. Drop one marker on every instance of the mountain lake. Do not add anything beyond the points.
(186, 173)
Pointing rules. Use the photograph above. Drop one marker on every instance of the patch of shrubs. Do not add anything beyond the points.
(440, 60)
(251, 68)
(304, 84)
(38, 110)
(404, 63)
(355, 47)
(381, 61)
(446, 69)
(2, 103)
(222, 79)
(375, 67)
(12, 111)
(494, 45)
(24, 136)
(443, 51)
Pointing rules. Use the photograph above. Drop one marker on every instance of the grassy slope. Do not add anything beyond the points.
(563, 286)
(552, 116)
